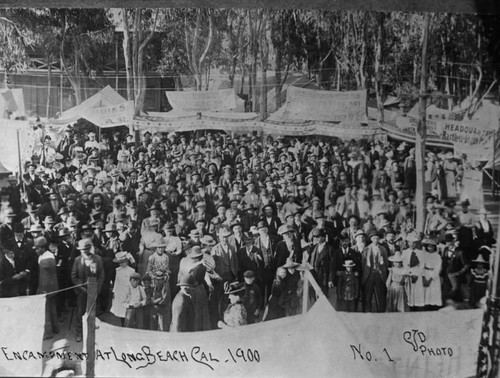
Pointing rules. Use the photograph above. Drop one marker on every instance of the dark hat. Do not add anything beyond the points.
(234, 224)
(18, 227)
(180, 210)
(318, 232)
(63, 210)
(249, 274)
(262, 224)
(234, 288)
(154, 207)
(87, 227)
(374, 233)
(39, 242)
(135, 276)
(247, 236)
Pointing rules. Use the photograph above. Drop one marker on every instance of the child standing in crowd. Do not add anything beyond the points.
(135, 300)
(253, 297)
(291, 298)
(347, 288)
(480, 275)
(396, 280)
(276, 305)
(148, 321)
(120, 287)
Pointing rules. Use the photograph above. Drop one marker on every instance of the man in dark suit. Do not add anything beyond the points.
(249, 258)
(25, 259)
(288, 248)
(10, 276)
(271, 220)
(6, 228)
(266, 245)
(319, 258)
(52, 206)
(86, 265)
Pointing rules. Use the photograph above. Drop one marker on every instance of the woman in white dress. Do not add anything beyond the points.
(413, 264)
(430, 275)
(122, 280)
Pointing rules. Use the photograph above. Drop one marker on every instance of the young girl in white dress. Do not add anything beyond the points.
(122, 280)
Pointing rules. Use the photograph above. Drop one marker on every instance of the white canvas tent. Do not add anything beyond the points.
(105, 97)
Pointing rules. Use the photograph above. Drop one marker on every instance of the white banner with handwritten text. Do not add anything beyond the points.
(112, 115)
(328, 106)
(202, 101)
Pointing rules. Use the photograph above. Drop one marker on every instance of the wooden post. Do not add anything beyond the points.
(116, 62)
(61, 83)
(19, 157)
(422, 132)
(305, 293)
(90, 341)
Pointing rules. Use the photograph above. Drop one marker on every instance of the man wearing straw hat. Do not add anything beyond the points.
(86, 265)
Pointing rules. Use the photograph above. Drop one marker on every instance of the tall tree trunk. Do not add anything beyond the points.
(141, 69)
(264, 57)
(379, 47)
(127, 56)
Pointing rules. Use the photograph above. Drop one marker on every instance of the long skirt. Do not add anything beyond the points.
(183, 312)
(396, 298)
(200, 304)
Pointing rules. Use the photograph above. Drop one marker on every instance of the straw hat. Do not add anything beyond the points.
(349, 263)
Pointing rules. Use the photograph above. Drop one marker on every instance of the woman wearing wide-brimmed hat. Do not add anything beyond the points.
(432, 263)
(150, 238)
(235, 314)
(122, 280)
(396, 281)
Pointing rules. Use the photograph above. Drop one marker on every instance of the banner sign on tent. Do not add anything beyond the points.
(22, 325)
(328, 106)
(202, 101)
(469, 132)
(409, 124)
(110, 116)
(349, 130)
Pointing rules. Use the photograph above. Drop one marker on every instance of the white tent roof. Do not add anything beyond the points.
(105, 97)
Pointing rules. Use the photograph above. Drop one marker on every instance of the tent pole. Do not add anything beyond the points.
(91, 311)
(19, 156)
(305, 294)
(493, 173)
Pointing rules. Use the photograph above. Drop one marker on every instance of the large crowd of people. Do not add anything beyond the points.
(205, 230)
